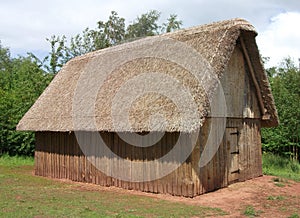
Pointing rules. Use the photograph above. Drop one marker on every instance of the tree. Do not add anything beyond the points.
(172, 24)
(145, 25)
(285, 83)
(22, 81)
(107, 34)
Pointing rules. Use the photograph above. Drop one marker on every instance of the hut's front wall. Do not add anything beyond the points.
(58, 155)
(239, 90)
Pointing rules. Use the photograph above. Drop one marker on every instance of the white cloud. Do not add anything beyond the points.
(281, 38)
(24, 25)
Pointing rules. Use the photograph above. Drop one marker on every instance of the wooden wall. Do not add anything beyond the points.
(58, 155)
(239, 90)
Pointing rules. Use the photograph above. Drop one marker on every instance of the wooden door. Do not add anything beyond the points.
(233, 154)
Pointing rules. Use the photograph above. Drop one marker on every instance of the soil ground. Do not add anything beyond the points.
(264, 197)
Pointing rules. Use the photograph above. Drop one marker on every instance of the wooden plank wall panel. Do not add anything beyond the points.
(63, 158)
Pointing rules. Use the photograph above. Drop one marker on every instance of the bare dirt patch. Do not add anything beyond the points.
(262, 194)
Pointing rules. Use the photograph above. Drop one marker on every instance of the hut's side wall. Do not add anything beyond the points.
(58, 155)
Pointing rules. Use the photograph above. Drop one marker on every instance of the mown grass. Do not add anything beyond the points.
(282, 167)
(26, 195)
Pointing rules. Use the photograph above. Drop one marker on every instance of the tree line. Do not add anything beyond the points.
(23, 79)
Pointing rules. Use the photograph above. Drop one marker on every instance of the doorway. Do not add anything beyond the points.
(232, 134)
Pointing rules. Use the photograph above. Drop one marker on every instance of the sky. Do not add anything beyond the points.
(25, 24)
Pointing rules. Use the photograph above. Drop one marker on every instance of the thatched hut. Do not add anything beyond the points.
(179, 113)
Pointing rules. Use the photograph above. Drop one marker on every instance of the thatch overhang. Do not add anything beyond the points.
(121, 88)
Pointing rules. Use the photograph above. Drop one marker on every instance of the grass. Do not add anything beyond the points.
(282, 167)
(279, 197)
(295, 215)
(6, 160)
(25, 195)
(251, 212)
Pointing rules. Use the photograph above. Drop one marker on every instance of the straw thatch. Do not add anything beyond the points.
(83, 95)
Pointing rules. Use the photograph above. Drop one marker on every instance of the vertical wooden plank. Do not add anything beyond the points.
(140, 157)
(37, 162)
(83, 161)
(41, 154)
(93, 162)
(241, 145)
(254, 151)
(108, 159)
(145, 169)
(122, 170)
(204, 169)
(184, 177)
(101, 159)
(53, 153)
(173, 139)
(199, 172)
(69, 144)
(115, 160)
(130, 156)
(135, 150)
(56, 170)
(195, 167)
(48, 156)
(179, 169)
(155, 168)
(223, 159)
(67, 159)
(65, 155)
(89, 157)
(60, 153)
(246, 163)
(162, 181)
(167, 143)
(97, 156)
(73, 148)
(193, 180)
(150, 169)
(73, 175)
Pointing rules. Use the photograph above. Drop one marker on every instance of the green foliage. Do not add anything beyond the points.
(172, 24)
(295, 215)
(145, 25)
(273, 198)
(108, 33)
(285, 139)
(276, 165)
(251, 212)
(22, 81)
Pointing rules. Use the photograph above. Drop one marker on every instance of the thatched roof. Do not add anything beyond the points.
(137, 86)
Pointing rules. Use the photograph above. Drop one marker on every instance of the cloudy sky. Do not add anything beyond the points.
(25, 24)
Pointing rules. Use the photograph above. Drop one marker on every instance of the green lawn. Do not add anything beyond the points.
(282, 167)
(25, 195)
